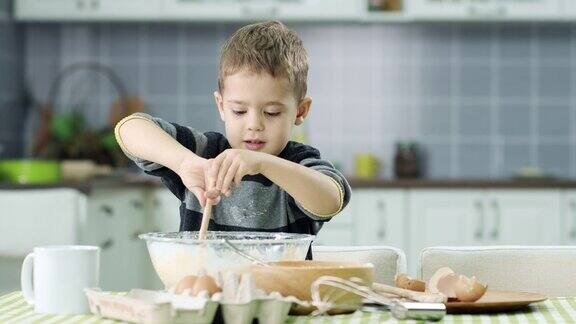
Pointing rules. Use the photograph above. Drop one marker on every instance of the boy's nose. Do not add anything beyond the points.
(255, 123)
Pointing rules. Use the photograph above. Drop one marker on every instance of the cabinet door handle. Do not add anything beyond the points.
(107, 210)
(135, 235)
(480, 229)
(572, 231)
(137, 204)
(106, 244)
(496, 230)
(381, 234)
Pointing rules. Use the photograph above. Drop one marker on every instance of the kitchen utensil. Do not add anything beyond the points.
(205, 221)
(245, 255)
(399, 309)
(53, 278)
(81, 142)
(29, 171)
(405, 310)
(495, 301)
(413, 295)
(294, 278)
(174, 255)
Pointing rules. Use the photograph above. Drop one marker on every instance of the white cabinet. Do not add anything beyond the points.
(109, 218)
(200, 10)
(484, 10)
(433, 10)
(321, 10)
(86, 9)
(38, 217)
(189, 10)
(568, 224)
(569, 9)
(340, 230)
(373, 217)
(115, 219)
(380, 217)
(532, 9)
(165, 215)
(483, 217)
(444, 217)
(524, 217)
(234, 10)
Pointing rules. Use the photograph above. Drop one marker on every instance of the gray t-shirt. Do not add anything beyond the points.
(257, 204)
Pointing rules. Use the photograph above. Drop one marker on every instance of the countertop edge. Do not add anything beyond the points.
(356, 183)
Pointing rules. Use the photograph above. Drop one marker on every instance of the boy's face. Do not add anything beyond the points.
(259, 111)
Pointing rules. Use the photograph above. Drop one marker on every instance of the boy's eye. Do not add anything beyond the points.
(238, 112)
(272, 113)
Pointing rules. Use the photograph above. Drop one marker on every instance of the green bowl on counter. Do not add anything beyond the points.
(29, 171)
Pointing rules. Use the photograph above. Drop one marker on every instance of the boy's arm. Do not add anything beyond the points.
(316, 192)
(153, 147)
(143, 139)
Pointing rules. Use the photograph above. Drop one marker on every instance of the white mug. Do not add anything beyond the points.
(53, 278)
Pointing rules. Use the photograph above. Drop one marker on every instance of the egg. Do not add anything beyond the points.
(186, 283)
(443, 281)
(205, 283)
(469, 289)
(404, 281)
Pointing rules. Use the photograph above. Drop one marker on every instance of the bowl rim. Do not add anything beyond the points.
(320, 264)
(290, 238)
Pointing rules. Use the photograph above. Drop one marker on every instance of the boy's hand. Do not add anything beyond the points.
(194, 174)
(230, 166)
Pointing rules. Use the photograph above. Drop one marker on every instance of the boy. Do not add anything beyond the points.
(269, 183)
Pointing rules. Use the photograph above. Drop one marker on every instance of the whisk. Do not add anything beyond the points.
(399, 309)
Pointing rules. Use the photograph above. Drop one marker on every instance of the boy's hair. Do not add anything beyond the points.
(266, 47)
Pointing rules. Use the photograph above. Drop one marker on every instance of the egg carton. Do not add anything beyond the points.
(271, 309)
(159, 307)
(152, 307)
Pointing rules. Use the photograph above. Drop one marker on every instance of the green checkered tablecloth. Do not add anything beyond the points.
(13, 309)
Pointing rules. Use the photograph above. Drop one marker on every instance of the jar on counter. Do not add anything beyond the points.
(367, 166)
(407, 162)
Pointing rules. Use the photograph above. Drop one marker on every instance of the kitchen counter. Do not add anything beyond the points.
(463, 183)
(112, 182)
(138, 180)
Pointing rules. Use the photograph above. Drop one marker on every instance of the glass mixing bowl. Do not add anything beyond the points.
(175, 255)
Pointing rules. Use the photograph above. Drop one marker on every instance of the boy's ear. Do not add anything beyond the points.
(219, 104)
(303, 109)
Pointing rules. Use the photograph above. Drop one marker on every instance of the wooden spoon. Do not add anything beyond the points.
(213, 194)
(205, 220)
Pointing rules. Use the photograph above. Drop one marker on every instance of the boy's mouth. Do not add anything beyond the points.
(254, 145)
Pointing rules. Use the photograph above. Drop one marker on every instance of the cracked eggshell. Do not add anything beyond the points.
(443, 281)
(404, 281)
(469, 289)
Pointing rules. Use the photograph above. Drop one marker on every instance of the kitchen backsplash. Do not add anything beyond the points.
(11, 114)
(482, 100)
